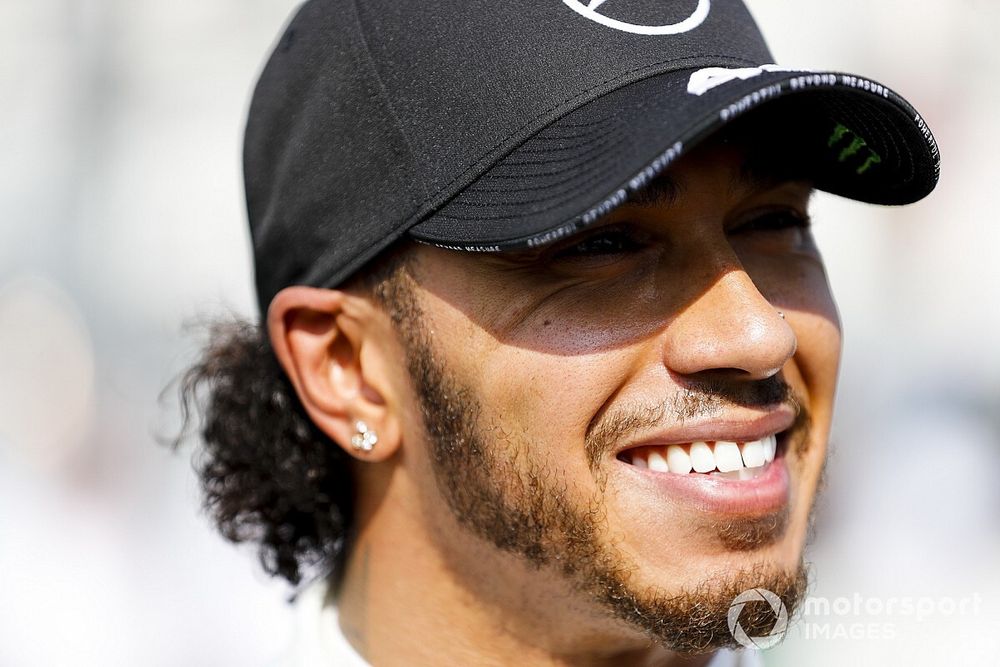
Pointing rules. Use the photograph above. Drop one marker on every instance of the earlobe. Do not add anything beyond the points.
(322, 340)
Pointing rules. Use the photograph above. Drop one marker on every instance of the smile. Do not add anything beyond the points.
(728, 467)
(726, 459)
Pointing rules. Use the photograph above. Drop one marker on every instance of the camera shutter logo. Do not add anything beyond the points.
(590, 11)
(777, 632)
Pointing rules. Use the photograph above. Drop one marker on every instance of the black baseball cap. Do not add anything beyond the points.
(492, 125)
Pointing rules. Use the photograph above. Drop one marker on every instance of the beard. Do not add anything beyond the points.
(501, 489)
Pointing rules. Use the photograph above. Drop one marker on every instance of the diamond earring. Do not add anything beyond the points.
(365, 438)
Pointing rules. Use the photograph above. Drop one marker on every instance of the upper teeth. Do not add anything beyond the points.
(721, 456)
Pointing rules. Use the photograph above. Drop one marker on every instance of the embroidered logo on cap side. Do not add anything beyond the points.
(708, 78)
(589, 10)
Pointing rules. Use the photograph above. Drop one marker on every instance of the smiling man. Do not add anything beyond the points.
(549, 356)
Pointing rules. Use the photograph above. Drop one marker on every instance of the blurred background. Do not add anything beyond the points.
(121, 218)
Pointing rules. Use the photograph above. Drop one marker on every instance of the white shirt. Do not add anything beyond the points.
(319, 641)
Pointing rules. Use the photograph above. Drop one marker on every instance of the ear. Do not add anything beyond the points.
(332, 346)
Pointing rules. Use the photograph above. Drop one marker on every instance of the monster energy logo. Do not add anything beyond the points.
(852, 146)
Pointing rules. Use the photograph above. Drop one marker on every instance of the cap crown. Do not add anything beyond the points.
(372, 114)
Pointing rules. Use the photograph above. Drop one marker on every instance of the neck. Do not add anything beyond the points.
(403, 601)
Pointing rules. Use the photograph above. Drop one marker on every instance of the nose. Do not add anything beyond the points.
(730, 328)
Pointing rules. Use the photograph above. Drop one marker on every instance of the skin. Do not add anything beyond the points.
(667, 297)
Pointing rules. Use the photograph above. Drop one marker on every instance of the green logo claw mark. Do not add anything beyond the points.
(854, 147)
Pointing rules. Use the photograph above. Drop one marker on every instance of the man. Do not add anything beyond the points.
(548, 362)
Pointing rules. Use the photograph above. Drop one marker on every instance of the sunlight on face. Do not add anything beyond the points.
(550, 382)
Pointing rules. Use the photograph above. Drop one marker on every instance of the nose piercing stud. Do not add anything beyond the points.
(364, 439)
(781, 315)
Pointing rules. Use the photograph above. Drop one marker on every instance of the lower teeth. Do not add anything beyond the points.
(743, 474)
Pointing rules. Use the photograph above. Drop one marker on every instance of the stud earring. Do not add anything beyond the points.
(364, 439)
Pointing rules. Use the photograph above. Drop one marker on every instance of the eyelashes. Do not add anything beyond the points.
(618, 239)
(608, 245)
(608, 241)
(771, 221)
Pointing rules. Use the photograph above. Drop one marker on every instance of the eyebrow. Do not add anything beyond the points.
(662, 191)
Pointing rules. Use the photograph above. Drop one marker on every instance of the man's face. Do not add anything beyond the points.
(547, 383)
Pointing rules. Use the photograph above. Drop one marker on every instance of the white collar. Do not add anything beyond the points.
(318, 640)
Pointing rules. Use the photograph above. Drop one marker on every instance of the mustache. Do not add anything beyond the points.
(707, 398)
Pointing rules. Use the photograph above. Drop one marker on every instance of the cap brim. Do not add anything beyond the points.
(851, 137)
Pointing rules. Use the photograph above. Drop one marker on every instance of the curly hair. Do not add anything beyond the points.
(268, 474)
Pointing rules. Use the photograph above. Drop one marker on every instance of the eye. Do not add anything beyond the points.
(603, 243)
(773, 221)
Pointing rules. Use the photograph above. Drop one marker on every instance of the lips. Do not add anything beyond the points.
(730, 466)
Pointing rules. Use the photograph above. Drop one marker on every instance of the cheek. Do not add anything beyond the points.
(552, 398)
(806, 295)
(795, 284)
(541, 370)
(580, 322)
(798, 285)
(817, 361)
(541, 402)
